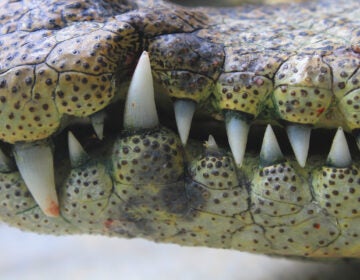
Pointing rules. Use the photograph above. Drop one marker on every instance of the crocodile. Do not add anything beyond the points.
(187, 125)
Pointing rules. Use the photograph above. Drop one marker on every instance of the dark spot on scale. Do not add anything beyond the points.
(28, 81)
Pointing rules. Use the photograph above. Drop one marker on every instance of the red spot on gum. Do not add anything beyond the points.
(320, 111)
(53, 209)
(108, 223)
(316, 225)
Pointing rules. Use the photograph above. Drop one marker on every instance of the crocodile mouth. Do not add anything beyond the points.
(144, 178)
(189, 135)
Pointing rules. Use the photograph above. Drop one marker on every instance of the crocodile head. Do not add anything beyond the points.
(121, 77)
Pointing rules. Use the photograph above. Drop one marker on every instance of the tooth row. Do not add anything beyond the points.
(237, 129)
(339, 155)
(270, 154)
(35, 160)
(140, 113)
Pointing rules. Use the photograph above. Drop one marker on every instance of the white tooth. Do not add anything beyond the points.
(184, 112)
(299, 137)
(76, 151)
(97, 121)
(6, 165)
(237, 132)
(210, 144)
(35, 163)
(339, 155)
(140, 109)
(270, 150)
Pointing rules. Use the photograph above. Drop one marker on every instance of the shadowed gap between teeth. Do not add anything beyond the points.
(320, 143)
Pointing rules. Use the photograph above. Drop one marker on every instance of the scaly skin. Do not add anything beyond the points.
(280, 63)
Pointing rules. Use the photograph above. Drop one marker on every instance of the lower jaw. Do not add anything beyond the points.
(146, 184)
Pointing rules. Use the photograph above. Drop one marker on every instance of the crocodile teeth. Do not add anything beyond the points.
(339, 155)
(237, 132)
(35, 163)
(270, 149)
(97, 121)
(184, 112)
(76, 152)
(299, 137)
(140, 109)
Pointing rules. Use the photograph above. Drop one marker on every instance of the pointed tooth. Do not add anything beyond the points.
(140, 109)
(76, 152)
(184, 112)
(35, 163)
(237, 132)
(339, 155)
(211, 145)
(97, 121)
(270, 149)
(299, 136)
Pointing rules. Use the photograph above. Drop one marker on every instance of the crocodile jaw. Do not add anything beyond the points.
(147, 184)
(212, 202)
